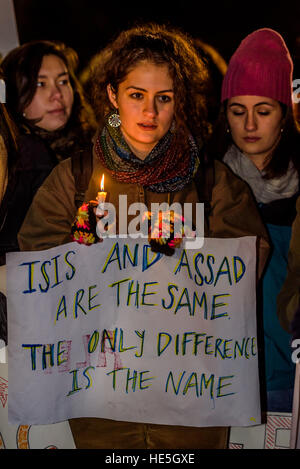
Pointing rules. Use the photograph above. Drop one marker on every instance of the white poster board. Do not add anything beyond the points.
(116, 331)
(274, 434)
(295, 427)
(57, 436)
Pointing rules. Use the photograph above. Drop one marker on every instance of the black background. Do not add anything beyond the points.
(88, 25)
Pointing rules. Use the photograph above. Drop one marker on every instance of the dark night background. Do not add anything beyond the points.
(88, 25)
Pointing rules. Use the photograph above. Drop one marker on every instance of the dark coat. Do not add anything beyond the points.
(36, 161)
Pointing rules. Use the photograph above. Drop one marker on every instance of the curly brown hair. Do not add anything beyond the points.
(160, 45)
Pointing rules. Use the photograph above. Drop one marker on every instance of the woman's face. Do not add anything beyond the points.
(145, 101)
(255, 123)
(53, 99)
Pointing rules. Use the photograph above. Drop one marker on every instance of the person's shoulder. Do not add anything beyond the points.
(222, 171)
(60, 176)
(63, 169)
(225, 179)
(34, 153)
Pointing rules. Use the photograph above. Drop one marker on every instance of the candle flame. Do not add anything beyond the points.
(102, 183)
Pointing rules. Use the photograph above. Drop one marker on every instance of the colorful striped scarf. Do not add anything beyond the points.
(169, 167)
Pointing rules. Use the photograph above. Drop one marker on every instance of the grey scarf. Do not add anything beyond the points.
(264, 190)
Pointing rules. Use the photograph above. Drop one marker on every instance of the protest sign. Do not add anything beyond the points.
(295, 427)
(57, 436)
(25, 436)
(275, 433)
(116, 331)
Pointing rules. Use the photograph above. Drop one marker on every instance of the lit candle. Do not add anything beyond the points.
(101, 196)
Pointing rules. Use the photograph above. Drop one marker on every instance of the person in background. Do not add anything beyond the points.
(8, 139)
(3, 168)
(288, 304)
(45, 101)
(8, 146)
(296, 81)
(149, 94)
(288, 299)
(257, 138)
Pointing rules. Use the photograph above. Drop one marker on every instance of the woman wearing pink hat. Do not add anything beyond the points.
(261, 145)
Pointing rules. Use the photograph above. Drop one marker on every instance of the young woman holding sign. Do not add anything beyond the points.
(150, 103)
(260, 143)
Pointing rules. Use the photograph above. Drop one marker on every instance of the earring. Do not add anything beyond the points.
(114, 120)
(173, 127)
(24, 114)
(228, 130)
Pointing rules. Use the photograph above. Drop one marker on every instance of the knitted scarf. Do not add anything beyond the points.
(169, 167)
(264, 190)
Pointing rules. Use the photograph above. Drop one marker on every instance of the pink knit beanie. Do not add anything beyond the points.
(261, 66)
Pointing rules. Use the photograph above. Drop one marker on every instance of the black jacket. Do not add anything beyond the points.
(36, 161)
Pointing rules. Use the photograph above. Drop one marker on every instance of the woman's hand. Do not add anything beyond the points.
(84, 229)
